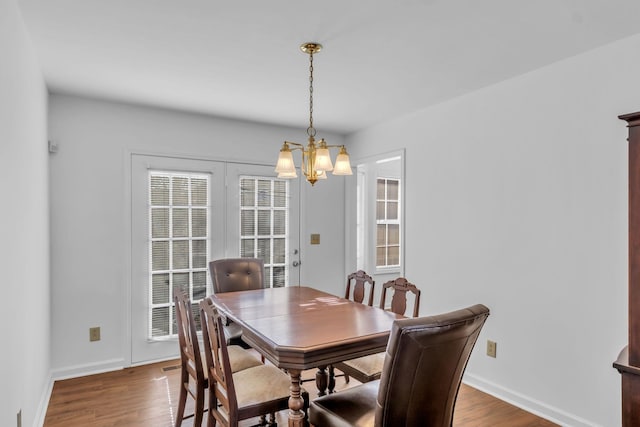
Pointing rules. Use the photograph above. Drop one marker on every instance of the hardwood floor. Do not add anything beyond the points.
(147, 396)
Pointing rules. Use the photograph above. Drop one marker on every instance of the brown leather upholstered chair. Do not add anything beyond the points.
(235, 396)
(369, 368)
(236, 274)
(356, 287)
(193, 378)
(437, 349)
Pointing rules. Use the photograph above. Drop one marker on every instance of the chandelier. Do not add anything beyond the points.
(316, 159)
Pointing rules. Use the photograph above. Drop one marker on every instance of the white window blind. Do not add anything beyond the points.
(264, 225)
(179, 212)
(388, 222)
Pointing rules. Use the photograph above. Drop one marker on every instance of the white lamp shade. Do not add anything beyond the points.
(285, 163)
(288, 175)
(321, 175)
(343, 165)
(323, 160)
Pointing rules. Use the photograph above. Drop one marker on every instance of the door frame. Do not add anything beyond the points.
(127, 281)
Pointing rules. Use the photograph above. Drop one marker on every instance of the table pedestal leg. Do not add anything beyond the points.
(296, 403)
(321, 380)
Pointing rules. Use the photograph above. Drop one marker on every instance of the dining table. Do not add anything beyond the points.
(298, 328)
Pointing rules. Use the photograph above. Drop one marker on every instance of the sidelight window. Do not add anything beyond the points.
(178, 245)
(264, 225)
(387, 223)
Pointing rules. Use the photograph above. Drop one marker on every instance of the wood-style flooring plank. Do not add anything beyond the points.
(147, 396)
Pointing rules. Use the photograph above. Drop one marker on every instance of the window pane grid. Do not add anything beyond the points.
(387, 222)
(264, 204)
(178, 244)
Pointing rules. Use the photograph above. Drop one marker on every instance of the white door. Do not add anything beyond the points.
(263, 221)
(186, 212)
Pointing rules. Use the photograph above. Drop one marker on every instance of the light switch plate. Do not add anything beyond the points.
(491, 348)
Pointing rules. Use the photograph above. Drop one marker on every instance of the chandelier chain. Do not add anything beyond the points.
(316, 159)
(311, 130)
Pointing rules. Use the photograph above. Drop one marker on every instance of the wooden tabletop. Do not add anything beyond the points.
(302, 328)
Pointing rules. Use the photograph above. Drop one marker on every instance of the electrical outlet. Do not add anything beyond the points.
(19, 418)
(94, 334)
(491, 348)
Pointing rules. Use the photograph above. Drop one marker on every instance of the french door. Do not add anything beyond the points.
(187, 212)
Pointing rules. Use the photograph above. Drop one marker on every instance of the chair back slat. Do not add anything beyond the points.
(193, 380)
(224, 407)
(400, 288)
(188, 335)
(358, 282)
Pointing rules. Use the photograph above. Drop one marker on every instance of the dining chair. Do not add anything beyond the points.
(401, 287)
(437, 349)
(236, 274)
(356, 287)
(249, 393)
(193, 378)
(355, 290)
(193, 381)
(369, 368)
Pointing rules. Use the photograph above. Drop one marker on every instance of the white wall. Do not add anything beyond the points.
(89, 216)
(24, 225)
(517, 198)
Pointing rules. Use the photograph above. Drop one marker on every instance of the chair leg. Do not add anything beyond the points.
(211, 420)
(272, 420)
(332, 378)
(182, 400)
(199, 406)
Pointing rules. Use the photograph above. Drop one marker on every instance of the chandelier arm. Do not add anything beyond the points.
(297, 146)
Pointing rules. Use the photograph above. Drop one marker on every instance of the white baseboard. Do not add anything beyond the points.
(43, 404)
(87, 369)
(536, 407)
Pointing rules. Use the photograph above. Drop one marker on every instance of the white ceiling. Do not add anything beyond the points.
(240, 59)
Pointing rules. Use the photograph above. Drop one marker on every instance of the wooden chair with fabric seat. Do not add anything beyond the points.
(369, 368)
(424, 363)
(401, 287)
(193, 378)
(193, 381)
(356, 287)
(236, 274)
(355, 290)
(249, 393)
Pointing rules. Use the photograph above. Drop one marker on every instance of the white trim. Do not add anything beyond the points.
(527, 403)
(87, 369)
(126, 335)
(187, 156)
(43, 405)
(128, 154)
(164, 359)
(369, 259)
